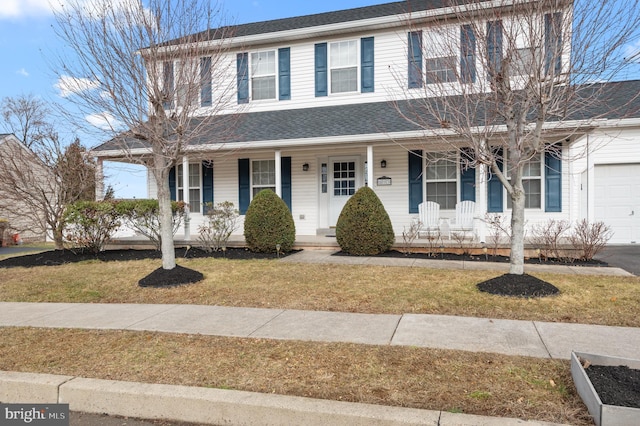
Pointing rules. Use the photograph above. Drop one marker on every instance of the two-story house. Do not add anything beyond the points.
(321, 100)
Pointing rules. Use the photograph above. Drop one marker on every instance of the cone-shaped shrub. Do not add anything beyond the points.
(364, 227)
(268, 223)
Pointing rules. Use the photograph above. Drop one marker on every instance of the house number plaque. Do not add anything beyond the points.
(384, 181)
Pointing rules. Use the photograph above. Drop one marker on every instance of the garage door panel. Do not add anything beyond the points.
(617, 195)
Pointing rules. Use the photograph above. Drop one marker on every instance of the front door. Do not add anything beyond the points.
(344, 181)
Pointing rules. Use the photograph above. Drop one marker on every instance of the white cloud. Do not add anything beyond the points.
(21, 8)
(23, 72)
(68, 86)
(103, 120)
(632, 52)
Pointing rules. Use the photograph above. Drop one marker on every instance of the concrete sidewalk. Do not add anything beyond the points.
(509, 337)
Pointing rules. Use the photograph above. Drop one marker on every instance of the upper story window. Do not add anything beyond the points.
(187, 83)
(343, 60)
(344, 67)
(270, 76)
(440, 70)
(263, 75)
(185, 80)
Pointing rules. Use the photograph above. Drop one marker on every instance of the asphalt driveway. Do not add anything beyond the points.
(626, 257)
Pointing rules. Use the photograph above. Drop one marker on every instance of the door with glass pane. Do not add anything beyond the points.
(344, 181)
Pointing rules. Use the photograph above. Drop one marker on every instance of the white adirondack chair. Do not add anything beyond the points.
(463, 222)
(429, 213)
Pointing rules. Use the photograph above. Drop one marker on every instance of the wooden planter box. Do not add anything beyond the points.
(603, 415)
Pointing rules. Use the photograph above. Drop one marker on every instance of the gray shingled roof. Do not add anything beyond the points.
(617, 100)
(335, 17)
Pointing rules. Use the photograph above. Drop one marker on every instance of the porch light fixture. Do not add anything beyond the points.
(383, 164)
(305, 167)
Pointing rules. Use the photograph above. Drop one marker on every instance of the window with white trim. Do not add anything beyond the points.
(440, 70)
(526, 61)
(263, 176)
(343, 60)
(187, 77)
(532, 183)
(263, 75)
(442, 180)
(194, 186)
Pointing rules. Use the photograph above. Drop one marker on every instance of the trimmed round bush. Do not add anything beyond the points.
(364, 227)
(268, 222)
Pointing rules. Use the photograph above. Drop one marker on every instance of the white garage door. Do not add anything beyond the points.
(617, 200)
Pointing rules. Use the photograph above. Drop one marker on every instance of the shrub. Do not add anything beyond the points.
(589, 238)
(547, 237)
(90, 224)
(144, 217)
(268, 224)
(222, 220)
(364, 227)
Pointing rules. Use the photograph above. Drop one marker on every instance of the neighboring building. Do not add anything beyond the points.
(318, 122)
(25, 218)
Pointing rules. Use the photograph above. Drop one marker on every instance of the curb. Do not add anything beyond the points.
(217, 406)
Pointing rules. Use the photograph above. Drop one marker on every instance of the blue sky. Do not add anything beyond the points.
(27, 38)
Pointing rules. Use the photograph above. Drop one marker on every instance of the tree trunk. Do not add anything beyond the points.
(161, 173)
(57, 238)
(517, 228)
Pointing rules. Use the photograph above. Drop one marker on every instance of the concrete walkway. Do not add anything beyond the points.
(509, 337)
(525, 338)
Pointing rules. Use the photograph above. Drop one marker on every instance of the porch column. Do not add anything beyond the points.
(185, 196)
(481, 202)
(99, 180)
(279, 173)
(370, 166)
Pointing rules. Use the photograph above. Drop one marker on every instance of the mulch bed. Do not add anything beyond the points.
(171, 277)
(513, 285)
(483, 258)
(61, 257)
(617, 385)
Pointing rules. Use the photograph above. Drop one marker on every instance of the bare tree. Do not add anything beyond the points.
(27, 117)
(148, 69)
(36, 186)
(501, 83)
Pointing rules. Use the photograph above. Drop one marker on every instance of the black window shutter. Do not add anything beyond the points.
(321, 71)
(415, 180)
(367, 65)
(244, 185)
(243, 78)
(552, 182)
(285, 172)
(284, 73)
